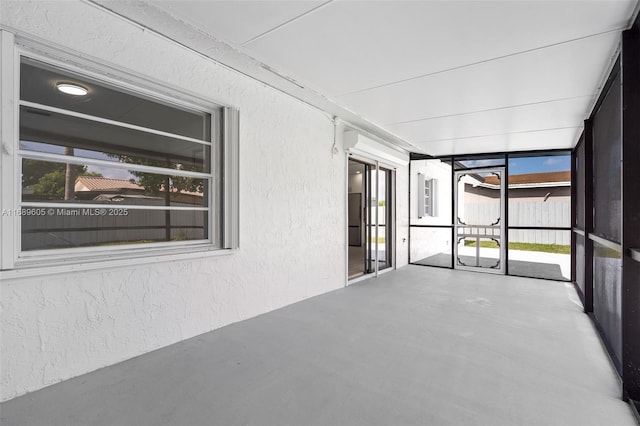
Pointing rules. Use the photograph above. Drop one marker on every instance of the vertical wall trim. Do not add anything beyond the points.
(630, 69)
(346, 213)
(391, 232)
(8, 122)
(409, 213)
(231, 184)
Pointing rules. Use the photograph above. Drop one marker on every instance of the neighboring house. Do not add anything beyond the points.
(88, 187)
(535, 185)
(129, 192)
(535, 200)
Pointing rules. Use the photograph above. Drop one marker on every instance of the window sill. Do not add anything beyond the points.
(45, 267)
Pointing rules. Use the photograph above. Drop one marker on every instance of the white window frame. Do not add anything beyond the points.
(225, 117)
(431, 205)
(427, 204)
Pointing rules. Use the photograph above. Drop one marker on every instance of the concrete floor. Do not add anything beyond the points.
(550, 266)
(419, 345)
(549, 271)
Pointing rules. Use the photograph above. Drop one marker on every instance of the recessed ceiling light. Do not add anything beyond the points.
(358, 172)
(72, 89)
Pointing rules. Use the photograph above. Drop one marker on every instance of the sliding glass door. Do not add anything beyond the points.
(370, 218)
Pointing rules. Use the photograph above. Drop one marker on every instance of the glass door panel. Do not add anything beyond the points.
(370, 215)
(356, 219)
(382, 245)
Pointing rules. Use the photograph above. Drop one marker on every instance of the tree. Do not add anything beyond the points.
(155, 184)
(33, 170)
(50, 185)
(48, 179)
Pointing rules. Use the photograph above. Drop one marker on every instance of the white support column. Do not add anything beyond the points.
(9, 192)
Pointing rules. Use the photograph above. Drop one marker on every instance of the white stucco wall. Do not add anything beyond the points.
(402, 216)
(426, 242)
(432, 169)
(292, 212)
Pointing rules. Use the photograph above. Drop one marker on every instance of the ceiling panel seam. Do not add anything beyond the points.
(231, 58)
(498, 134)
(484, 61)
(284, 24)
(489, 110)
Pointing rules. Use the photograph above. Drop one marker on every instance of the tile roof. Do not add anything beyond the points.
(95, 183)
(533, 178)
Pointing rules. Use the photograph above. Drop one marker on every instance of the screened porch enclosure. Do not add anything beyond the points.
(502, 213)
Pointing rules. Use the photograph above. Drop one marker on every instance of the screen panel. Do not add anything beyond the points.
(607, 297)
(607, 156)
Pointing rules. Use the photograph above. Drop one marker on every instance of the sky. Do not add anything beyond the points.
(108, 172)
(524, 165)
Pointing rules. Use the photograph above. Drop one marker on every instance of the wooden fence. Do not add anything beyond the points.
(552, 213)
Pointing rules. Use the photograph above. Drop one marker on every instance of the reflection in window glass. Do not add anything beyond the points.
(139, 170)
(71, 227)
(38, 85)
(50, 132)
(383, 243)
(45, 181)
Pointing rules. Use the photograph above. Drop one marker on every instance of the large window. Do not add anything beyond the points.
(105, 167)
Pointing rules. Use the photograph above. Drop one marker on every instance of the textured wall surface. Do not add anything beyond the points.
(402, 216)
(426, 242)
(292, 213)
(432, 169)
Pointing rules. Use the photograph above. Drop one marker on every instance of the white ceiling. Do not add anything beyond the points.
(449, 77)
